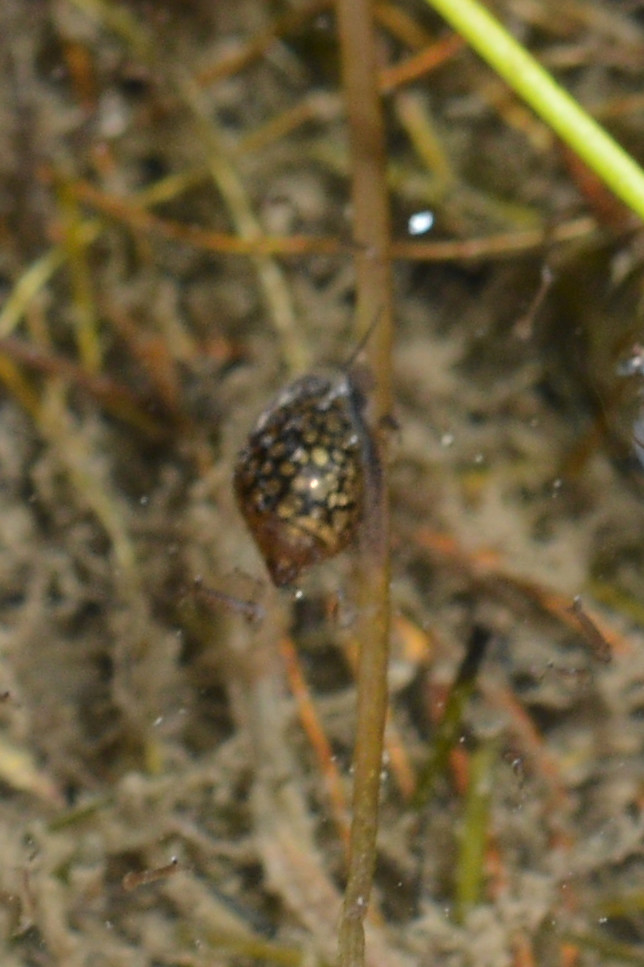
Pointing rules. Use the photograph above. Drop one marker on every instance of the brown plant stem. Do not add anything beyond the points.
(374, 301)
(371, 228)
(135, 214)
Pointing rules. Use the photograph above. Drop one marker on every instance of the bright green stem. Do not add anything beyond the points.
(551, 102)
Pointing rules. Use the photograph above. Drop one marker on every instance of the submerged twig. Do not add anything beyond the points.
(134, 879)
(448, 730)
(75, 244)
(374, 300)
(599, 646)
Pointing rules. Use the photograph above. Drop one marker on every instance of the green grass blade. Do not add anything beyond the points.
(550, 101)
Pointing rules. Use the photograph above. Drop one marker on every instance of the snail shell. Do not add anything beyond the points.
(300, 481)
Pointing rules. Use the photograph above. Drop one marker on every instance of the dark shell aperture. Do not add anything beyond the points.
(299, 480)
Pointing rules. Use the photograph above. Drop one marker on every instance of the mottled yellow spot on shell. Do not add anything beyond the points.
(319, 456)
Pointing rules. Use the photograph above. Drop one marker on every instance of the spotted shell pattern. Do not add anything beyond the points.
(299, 481)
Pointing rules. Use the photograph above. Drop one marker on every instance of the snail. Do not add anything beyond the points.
(301, 478)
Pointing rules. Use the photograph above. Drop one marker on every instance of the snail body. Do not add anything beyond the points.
(299, 480)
